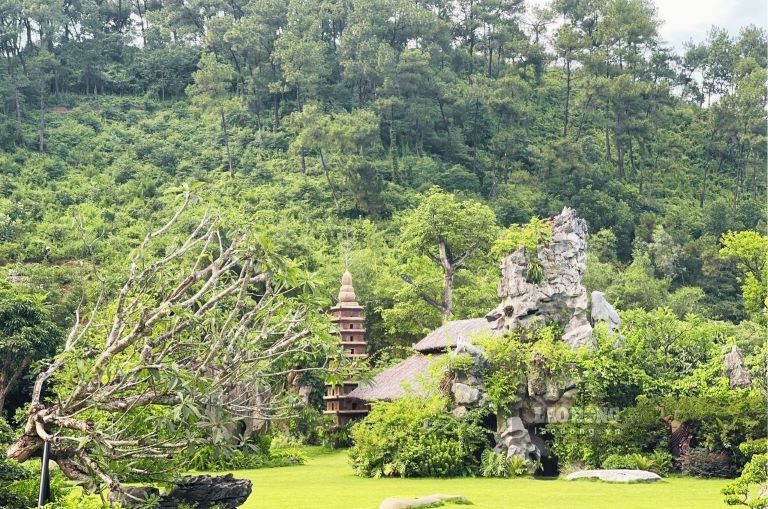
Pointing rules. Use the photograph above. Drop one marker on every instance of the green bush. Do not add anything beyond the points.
(461, 363)
(722, 421)
(494, 464)
(659, 462)
(333, 436)
(741, 491)
(78, 499)
(264, 452)
(593, 435)
(704, 463)
(413, 437)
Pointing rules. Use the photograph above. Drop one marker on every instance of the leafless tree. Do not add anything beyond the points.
(197, 337)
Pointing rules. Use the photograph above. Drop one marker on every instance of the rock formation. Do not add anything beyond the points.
(425, 501)
(602, 311)
(615, 475)
(516, 441)
(734, 369)
(206, 492)
(559, 297)
(198, 491)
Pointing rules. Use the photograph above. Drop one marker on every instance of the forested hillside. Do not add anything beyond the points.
(327, 122)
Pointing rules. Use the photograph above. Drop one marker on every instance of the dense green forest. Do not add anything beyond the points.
(414, 142)
(326, 122)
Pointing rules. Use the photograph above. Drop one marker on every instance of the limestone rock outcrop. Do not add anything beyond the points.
(735, 370)
(559, 297)
(516, 441)
(602, 311)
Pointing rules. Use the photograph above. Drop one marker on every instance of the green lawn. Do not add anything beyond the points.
(326, 482)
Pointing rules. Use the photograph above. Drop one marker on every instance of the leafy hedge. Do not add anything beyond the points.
(659, 462)
(412, 437)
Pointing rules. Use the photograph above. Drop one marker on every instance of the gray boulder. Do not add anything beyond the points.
(463, 394)
(515, 441)
(426, 501)
(734, 369)
(207, 492)
(602, 311)
(615, 475)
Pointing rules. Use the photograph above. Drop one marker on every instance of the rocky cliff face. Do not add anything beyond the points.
(558, 297)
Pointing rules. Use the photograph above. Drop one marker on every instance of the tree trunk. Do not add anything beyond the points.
(328, 178)
(17, 98)
(8, 381)
(276, 123)
(226, 142)
(567, 96)
(41, 128)
(446, 307)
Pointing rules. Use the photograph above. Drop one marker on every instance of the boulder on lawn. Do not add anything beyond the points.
(206, 492)
(426, 501)
(615, 475)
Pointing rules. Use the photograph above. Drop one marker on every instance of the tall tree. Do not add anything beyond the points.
(449, 231)
(27, 334)
(211, 92)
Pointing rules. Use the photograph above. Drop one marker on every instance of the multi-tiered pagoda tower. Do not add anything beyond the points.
(347, 315)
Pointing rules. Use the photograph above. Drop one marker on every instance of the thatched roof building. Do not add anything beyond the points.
(411, 376)
(446, 336)
(408, 378)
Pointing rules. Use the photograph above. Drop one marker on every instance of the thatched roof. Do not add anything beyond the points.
(445, 336)
(409, 378)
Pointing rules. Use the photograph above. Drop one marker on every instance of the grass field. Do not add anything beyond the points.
(326, 482)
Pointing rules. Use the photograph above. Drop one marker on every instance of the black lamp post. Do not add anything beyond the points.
(44, 495)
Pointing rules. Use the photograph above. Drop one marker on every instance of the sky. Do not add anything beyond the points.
(691, 19)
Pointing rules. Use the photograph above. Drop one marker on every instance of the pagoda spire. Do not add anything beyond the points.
(347, 316)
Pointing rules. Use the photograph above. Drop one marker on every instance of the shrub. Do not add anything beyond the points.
(741, 491)
(78, 499)
(334, 436)
(704, 463)
(723, 421)
(413, 437)
(263, 452)
(583, 440)
(461, 363)
(659, 462)
(638, 429)
(496, 464)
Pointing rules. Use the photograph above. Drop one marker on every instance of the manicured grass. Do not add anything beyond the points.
(326, 482)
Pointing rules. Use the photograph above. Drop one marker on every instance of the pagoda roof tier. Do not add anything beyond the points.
(346, 305)
(353, 342)
(348, 318)
(360, 411)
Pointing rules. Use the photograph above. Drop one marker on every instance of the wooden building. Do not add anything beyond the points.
(348, 317)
